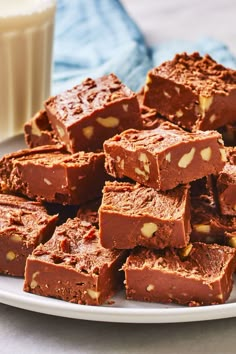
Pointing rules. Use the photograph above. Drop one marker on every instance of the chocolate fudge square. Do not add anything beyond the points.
(192, 91)
(131, 215)
(92, 112)
(72, 266)
(198, 275)
(50, 174)
(23, 225)
(226, 184)
(38, 131)
(164, 157)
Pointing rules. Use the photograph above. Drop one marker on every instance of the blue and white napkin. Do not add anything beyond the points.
(93, 38)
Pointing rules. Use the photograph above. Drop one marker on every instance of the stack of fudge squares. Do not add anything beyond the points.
(122, 189)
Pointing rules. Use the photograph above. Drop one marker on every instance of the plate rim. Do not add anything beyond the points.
(55, 307)
(50, 306)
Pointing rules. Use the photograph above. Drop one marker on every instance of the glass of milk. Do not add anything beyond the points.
(26, 41)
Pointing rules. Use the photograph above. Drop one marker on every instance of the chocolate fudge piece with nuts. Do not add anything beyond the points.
(38, 131)
(131, 215)
(164, 157)
(72, 266)
(198, 275)
(50, 174)
(207, 224)
(23, 226)
(226, 184)
(92, 112)
(192, 91)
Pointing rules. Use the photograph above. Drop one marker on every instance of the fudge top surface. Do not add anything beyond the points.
(75, 244)
(159, 139)
(21, 216)
(90, 95)
(198, 260)
(135, 199)
(202, 75)
(50, 156)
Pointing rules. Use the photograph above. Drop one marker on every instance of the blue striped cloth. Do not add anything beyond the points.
(93, 38)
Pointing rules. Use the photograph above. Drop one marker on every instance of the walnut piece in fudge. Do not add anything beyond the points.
(132, 215)
(164, 157)
(72, 266)
(92, 112)
(38, 131)
(226, 184)
(192, 91)
(49, 174)
(23, 226)
(200, 274)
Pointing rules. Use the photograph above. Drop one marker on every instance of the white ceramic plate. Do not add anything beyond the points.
(121, 311)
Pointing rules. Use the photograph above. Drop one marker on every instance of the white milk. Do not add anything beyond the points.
(26, 37)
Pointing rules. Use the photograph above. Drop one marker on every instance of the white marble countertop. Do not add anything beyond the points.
(28, 332)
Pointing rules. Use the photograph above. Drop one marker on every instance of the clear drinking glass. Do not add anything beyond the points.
(26, 42)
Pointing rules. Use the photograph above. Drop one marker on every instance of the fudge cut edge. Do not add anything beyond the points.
(163, 158)
(200, 275)
(73, 266)
(192, 91)
(48, 173)
(132, 215)
(38, 131)
(24, 224)
(225, 191)
(88, 114)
